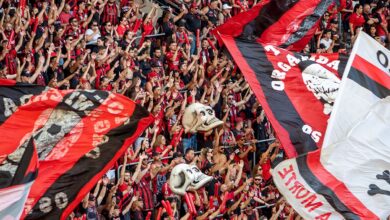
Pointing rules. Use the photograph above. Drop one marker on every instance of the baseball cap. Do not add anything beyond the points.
(226, 6)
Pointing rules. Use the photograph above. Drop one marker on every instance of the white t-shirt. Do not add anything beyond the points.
(326, 42)
(94, 39)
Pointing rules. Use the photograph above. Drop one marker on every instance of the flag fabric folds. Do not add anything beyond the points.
(284, 23)
(78, 136)
(350, 176)
(18, 170)
(296, 90)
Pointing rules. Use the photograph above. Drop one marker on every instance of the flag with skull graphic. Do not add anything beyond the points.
(296, 90)
(78, 136)
(349, 178)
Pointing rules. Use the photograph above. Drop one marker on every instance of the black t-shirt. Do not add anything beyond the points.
(167, 27)
(193, 22)
(212, 15)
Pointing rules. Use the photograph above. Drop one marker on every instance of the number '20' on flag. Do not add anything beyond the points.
(349, 178)
(78, 136)
(296, 91)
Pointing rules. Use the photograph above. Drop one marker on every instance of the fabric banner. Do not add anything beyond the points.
(78, 137)
(349, 176)
(296, 90)
(18, 170)
(284, 23)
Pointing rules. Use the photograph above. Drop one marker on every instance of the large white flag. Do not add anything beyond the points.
(349, 178)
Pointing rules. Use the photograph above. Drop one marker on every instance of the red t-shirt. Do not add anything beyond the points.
(357, 20)
(173, 64)
(266, 170)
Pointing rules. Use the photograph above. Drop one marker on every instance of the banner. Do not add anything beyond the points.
(284, 23)
(349, 177)
(296, 90)
(78, 136)
(17, 173)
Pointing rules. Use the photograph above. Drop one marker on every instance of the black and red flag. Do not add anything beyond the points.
(78, 136)
(297, 91)
(284, 23)
(18, 171)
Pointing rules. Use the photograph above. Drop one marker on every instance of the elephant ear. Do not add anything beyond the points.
(178, 181)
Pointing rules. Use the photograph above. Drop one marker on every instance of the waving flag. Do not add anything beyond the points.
(17, 173)
(283, 23)
(297, 91)
(349, 178)
(78, 136)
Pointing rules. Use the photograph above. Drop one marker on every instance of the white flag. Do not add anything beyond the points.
(349, 177)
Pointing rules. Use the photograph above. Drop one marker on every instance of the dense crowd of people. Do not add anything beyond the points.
(164, 60)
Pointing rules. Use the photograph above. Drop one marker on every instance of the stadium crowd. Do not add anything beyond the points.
(157, 60)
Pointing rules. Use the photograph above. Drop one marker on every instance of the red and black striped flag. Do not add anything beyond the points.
(296, 90)
(284, 23)
(349, 177)
(78, 136)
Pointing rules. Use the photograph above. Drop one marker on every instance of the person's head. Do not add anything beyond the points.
(367, 9)
(189, 154)
(327, 34)
(258, 180)
(100, 42)
(69, 39)
(157, 53)
(94, 26)
(127, 176)
(138, 205)
(74, 22)
(124, 21)
(173, 46)
(194, 8)
(91, 201)
(224, 188)
(145, 143)
(156, 91)
(326, 16)
(226, 8)
(81, 5)
(111, 2)
(8, 27)
(379, 7)
(166, 15)
(239, 123)
(230, 99)
(373, 30)
(205, 44)
(358, 9)
(105, 81)
(108, 26)
(209, 153)
(67, 8)
(160, 140)
(180, 27)
(214, 4)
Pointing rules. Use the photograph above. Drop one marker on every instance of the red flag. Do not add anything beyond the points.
(79, 133)
(283, 23)
(296, 91)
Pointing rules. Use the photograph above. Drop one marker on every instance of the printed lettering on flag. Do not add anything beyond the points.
(350, 175)
(78, 136)
(297, 91)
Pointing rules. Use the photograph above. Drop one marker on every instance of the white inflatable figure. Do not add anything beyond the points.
(184, 176)
(199, 118)
(323, 83)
